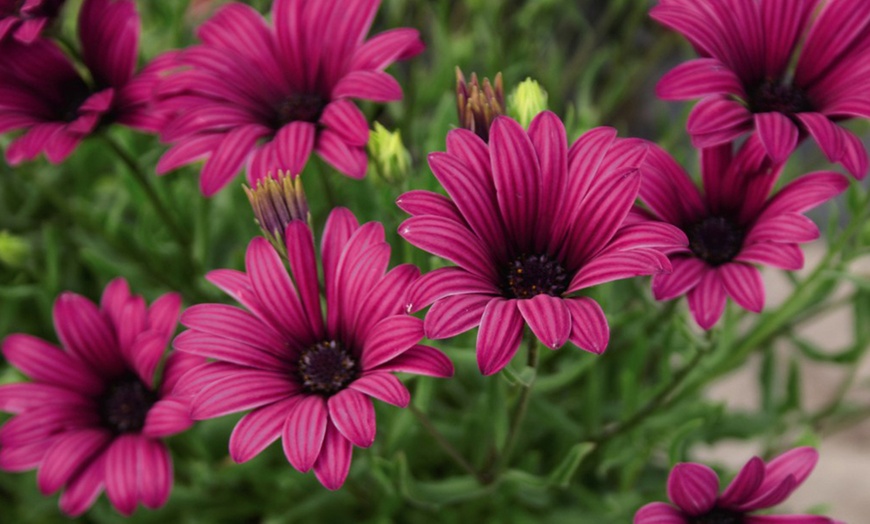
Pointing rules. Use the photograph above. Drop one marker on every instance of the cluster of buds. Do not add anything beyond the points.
(479, 104)
(276, 202)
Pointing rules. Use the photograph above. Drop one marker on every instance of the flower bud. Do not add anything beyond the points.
(13, 249)
(478, 104)
(277, 202)
(391, 160)
(527, 101)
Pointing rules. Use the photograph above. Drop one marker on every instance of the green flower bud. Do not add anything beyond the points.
(13, 249)
(527, 101)
(391, 160)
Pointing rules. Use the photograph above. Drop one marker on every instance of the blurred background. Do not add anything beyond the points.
(580, 458)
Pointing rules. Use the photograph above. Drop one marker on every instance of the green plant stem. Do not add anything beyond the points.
(650, 408)
(445, 444)
(522, 408)
(181, 236)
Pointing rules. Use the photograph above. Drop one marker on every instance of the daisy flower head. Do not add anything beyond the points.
(733, 224)
(285, 93)
(45, 96)
(307, 379)
(530, 223)
(94, 414)
(694, 491)
(24, 20)
(746, 82)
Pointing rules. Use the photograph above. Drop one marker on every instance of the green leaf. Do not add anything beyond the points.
(564, 472)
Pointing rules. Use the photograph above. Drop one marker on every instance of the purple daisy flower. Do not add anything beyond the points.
(283, 94)
(42, 93)
(24, 20)
(530, 224)
(745, 82)
(694, 490)
(732, 225)
(94, 415)
(307, 380)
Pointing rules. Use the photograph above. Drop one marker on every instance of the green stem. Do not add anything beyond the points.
(181, 236)
(654, 405)
(445, 444)
(522, 408)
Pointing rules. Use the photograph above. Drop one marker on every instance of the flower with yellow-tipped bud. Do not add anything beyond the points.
(478, 104)
(277, 202)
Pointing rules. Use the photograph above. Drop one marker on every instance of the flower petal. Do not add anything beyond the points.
(699, 78)
(444, 282)
(44, 362)
(500, 334)
(383, 386)
(304, 432)
(85, 333)
(376, 86)
(68, 453)
(778, 134)
(589, 329)
(167, 417)
(333, 464)
(259, 428)
(744, 484)
(389, 338)
(707, 300)
(455, 314)
(549, 319)
(659, 513)
(250, 389)
(353, 415)
(419, 360)
(693, 487)
(686, 273)
(122, 472)
(743, 284)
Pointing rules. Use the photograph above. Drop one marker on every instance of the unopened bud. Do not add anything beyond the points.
(527, 101)
(392, 162)
(277, 202)
(13, 249)
(478, 104)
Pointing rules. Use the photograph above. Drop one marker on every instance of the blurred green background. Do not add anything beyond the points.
(601, 431)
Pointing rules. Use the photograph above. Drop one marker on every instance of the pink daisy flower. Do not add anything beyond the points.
(530, 224)
(93, 415)
(42, 93)
(24, 20)
(286, 92)
(745, 82)
(308, 380)
(732, 225)
(694, 490)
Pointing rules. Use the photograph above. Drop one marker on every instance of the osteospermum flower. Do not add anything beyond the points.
(44, 95)
(530, 224)
(283, 94)
(694, 490)
(24, 20)
(732, 225)
(93, 415)
(745, 82)
(308, 380)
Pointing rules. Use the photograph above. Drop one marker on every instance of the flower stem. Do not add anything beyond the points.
(445, 444)
(181, 236)
(521, 409)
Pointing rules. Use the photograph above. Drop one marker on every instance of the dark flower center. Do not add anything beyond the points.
(301, 107)
(716, 240)
(530, 275)
(718, 516)
(774, 97)
(125, 404)
(326, 368)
